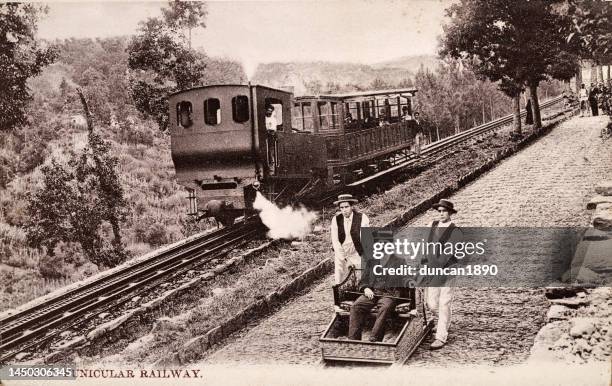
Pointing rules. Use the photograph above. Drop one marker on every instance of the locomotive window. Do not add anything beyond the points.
(183, 114)
(240, 108)
(212, 111)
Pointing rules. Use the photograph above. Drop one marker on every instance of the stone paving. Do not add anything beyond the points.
(546, 184)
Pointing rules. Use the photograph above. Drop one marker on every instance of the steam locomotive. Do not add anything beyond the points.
(230, 141)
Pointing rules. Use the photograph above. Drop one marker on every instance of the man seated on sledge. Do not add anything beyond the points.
(383, 291)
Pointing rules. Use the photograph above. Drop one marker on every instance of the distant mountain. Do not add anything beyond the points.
(324, 77)
(321, 77)
(410, 63)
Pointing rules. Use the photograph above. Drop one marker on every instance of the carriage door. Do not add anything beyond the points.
(274, 122)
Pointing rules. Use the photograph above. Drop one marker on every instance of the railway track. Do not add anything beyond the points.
(36, 325)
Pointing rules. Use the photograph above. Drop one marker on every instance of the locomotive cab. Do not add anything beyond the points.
(224, 152)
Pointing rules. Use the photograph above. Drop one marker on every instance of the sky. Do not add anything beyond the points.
(363, 31)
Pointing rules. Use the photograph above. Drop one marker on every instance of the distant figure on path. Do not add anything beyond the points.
(583, 96)
(593, 100)
(529, 117)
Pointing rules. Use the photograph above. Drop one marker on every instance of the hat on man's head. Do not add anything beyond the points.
(446, 205)
(346, 198)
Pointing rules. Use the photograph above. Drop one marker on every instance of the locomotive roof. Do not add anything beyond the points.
(227, 85)
(363, 94)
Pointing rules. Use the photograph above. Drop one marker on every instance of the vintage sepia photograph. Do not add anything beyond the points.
(306, 192)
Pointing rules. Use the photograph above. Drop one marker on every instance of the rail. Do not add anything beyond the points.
(31, 327)
(448, 142)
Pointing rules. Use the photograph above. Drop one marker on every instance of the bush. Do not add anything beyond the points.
(53, 267)
(7, 172)
(110, 257)
(157, 235)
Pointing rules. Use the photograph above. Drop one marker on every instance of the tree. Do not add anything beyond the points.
(313, 87)
(591, 28)
(185, 14)
(21, 57)
(75, 200)
(505, 41)
(378, 84)
(451, 99)
(103, 168)
(162, 65)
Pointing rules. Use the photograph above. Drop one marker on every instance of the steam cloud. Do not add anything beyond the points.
(284, 223)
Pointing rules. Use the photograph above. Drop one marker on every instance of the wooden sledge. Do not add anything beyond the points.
(406, 330)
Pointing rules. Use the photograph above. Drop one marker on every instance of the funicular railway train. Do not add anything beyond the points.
(223, 152)
(230, 141)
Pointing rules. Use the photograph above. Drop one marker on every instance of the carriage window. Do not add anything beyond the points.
(393, 108)
(366, 110)
(184, 111)
(307, 115)
(383, 109)
(354, 109)
(323, 112)
(212, 111)
(296, 116)
(240, 108)
(334, 114)
(406, 102)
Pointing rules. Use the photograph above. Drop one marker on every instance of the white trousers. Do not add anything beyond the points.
(418, 139)
(439, 300)
(341, 266)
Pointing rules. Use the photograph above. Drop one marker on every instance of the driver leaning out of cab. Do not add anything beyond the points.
(377, 290)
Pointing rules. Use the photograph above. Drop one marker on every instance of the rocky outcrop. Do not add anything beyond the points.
(581, 334)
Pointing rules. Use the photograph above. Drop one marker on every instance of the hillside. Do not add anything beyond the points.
(157, 204)
(410, 63)
(318, 77)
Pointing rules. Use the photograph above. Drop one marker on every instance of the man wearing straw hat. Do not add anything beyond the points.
(440, 295)
(345, 235)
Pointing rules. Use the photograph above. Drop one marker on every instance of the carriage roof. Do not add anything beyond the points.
(228, 86)
(359, 95)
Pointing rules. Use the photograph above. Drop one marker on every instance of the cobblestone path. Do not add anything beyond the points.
(546, 184)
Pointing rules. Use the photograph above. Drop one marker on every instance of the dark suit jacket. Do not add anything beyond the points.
(388, 285)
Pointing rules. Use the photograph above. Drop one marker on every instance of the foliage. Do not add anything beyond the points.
(223, 71)
(21, 57)
(378, 84)
(314, 87)
(452, 99)
(513, 43)
(161, 62)
(74, 202)
(591, 28)
(185, 14)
